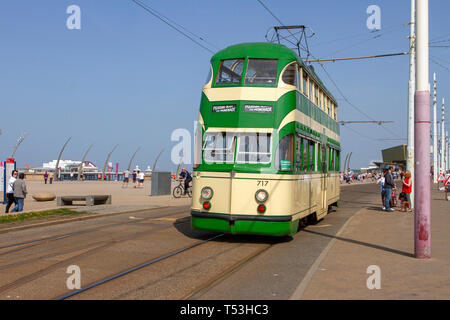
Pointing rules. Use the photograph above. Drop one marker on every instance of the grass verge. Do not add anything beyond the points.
(40, 214)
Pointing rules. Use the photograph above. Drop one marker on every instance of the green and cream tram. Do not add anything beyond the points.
(267, 148)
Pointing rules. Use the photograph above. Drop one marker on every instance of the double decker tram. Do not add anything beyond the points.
(267, 148)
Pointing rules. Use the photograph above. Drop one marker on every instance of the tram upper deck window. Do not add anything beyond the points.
(219, 147)
(261, 71)
(254, 148)
(290, 75)
(230, 71)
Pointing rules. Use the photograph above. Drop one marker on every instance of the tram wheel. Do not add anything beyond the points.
(177, 192)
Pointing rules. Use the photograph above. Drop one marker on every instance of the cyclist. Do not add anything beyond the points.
(184, 174)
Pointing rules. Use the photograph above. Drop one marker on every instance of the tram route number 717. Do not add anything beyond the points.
(262, 183)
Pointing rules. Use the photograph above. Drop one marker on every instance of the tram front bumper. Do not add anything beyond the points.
(244, 224)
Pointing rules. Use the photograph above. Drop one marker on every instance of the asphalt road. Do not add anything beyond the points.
(228, 267)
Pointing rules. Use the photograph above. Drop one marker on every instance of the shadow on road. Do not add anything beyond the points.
(183, 225)
(361, 243)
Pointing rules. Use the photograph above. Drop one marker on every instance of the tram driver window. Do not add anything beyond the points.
(230, 71)
(261, 71)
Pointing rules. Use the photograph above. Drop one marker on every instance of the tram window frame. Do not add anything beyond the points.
(319, 163)
(234, 65)
(298, 153)
(228, 157)
(310, 88)
(247, 154)
(311, 155)
(253, 83)
(305, 83)
(285, 141)
(305, 155)
(289, 68)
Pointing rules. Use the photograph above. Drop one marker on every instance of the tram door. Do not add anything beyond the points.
(324, 166)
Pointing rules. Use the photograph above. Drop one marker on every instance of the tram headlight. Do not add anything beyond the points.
(261, 195)
(207, 193)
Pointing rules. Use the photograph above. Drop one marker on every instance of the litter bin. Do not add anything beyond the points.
(160, 183)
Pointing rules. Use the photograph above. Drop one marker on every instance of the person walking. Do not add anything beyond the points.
(141, 176)
(134, 178)
(10, 191)
(126, 178)
(20, 192)
(406, 190)
(388, 186)
(45, 177)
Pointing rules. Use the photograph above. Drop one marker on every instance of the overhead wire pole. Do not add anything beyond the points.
(411, 89)
(422, 210)
(442, 166)
(435, 148)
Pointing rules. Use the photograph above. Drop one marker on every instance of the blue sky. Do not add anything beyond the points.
(127, 78)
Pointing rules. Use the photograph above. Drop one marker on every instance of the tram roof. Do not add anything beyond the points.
(267, 50)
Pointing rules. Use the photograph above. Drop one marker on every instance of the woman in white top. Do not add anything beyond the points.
(10, 192)
(141, 179)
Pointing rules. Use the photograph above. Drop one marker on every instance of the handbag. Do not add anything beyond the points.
(402, 196)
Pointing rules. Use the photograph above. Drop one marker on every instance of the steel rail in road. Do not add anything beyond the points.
(121, 274)
(199, 291)
(99, 245)
(65, 235)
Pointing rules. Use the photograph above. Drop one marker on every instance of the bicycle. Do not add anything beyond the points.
(179, 189)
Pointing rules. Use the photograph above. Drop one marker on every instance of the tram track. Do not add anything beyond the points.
(101, 246)
(205, 287)
(35, 242)
(135, 268)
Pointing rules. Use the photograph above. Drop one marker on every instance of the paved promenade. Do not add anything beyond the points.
(375, 237)
(122, 198)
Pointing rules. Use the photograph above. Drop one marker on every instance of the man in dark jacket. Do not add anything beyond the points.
(388, 186)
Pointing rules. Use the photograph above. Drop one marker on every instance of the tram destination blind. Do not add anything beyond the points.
(258, 108)
(224, 108)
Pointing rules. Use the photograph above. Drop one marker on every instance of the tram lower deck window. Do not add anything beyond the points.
(254, 148)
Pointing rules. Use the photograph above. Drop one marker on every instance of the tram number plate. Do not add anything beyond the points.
(262, 183)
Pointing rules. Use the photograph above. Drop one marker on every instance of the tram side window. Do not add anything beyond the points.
(285, 153)
(261, 71)
(305, 83)
(311, 156)
(332, 155)
(319, 165)
(298, 154)
(305, 154)
(230, 71)
(290, 75)
(254, 148)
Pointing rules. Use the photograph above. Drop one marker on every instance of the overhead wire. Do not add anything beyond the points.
(329, 76)
(154, 13)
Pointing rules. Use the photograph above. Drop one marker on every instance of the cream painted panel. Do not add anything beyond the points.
(296, 115)
(246, 93)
